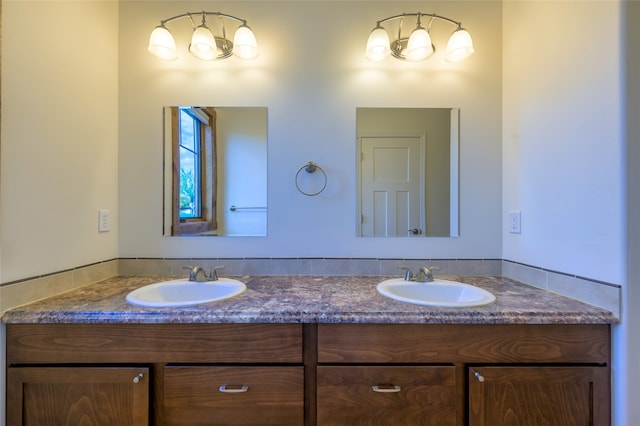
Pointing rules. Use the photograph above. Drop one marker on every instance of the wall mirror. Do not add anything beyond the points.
(215, 171)
(407, 172)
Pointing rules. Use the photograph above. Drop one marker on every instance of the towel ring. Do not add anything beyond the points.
(311, 167)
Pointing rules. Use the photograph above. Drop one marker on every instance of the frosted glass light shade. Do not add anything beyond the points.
(162, 44)
(203, 44)
(378, 44)
(244, 43)
(460, 46)
(419, 46)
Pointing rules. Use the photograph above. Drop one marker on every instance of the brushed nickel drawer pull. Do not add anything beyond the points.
(225, 389)
(386, 388)
(138, 378)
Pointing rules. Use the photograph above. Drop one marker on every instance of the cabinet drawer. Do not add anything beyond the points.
(233, 395)
(465, 343)
(149, 343)
(381, 395)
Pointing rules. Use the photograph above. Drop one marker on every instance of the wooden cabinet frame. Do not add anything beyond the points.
(311, 346)
(78, 346)
(576, 350)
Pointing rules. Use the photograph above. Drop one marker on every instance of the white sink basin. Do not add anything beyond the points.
(437, 293)
(184, 292)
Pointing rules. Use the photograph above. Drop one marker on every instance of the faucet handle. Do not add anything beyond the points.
(426, 273)
(192, 272)
(408, 275)
(214, 273)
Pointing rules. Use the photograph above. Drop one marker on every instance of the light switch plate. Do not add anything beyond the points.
(515, 222)
(104, 221)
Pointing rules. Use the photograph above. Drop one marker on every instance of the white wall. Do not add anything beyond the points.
(564, 154)
(627, 352)
(311, 74)
(562, 136)
(241, 146)
(59, 135)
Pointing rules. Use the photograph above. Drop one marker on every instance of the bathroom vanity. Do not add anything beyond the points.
(307, 351)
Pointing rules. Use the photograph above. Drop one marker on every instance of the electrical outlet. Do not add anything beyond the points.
(104, 221)
(515, 222)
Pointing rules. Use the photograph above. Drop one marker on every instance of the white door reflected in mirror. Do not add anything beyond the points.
(392, 185)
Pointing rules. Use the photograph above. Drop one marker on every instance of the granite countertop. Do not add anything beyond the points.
(310, 299)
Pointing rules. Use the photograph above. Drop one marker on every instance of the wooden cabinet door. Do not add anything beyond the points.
(62, 396)
(386, 395)
(234, 395)
(536, 395)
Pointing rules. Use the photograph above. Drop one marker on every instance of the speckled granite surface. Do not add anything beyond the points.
(310, 299)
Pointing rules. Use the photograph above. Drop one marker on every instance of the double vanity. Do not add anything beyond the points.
(307, 350)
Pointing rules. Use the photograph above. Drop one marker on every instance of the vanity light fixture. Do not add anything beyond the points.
(417, 46)
(204, 44)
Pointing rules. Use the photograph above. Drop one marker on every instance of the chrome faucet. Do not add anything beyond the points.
(197, 273)
(424, 274)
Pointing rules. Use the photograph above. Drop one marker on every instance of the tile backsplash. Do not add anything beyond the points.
(29, 290)
(309, 266)
(598, 293)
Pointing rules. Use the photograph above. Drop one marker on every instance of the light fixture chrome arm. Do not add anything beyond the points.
(418, 14)
(190, 14)
(204, 44)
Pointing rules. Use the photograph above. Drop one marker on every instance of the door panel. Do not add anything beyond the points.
(555, 396)
(392, 185)
(60, 396)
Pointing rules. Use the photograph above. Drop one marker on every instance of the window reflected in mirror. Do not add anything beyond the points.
(407, 172)
(215, 171)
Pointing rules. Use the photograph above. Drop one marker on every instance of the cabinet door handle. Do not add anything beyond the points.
(138, 378)
(477, 375)
(386, 388)
(225, 389)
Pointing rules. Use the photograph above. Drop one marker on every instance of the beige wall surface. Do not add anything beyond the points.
(58, 143)
(59, 135)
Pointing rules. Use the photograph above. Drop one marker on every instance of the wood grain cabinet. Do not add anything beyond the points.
(308, 374)
(386, 395)
(77, 396)
(233, 395)
(193, 374)
(476, 375)
(538, 395)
